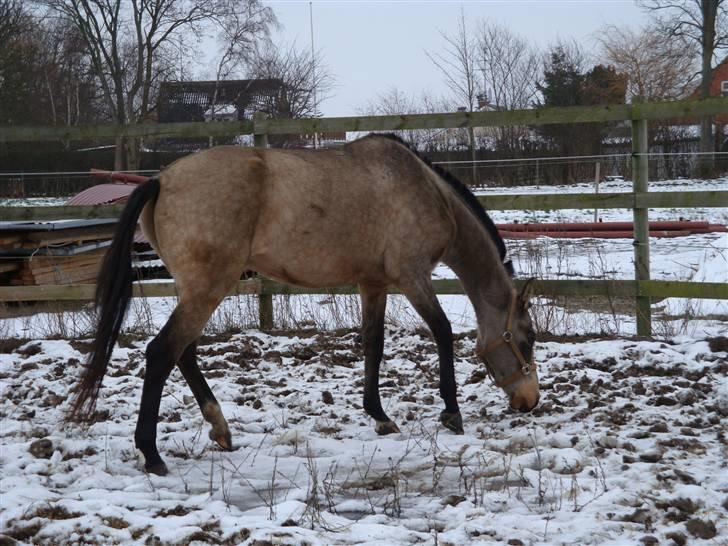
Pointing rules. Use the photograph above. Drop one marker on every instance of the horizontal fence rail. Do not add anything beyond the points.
(265, 287)
(536, 116)
(192, 129)
(530, 201)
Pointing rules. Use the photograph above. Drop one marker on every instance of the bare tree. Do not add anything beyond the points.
(306, 80)
(243, 27)
(18, 51)
(12, 19)
(44, 74)
(128, 42)
(458, 65)
(659, 66)
(508, 65)
(394, 101)
(391, 102)
(704, 22)
(68, 83)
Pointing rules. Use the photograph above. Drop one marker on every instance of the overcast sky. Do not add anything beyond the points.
(371, 46)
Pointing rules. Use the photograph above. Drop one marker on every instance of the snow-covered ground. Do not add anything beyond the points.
(628, 442)
(34, 202)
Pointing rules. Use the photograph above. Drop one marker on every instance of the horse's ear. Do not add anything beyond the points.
(526, 292)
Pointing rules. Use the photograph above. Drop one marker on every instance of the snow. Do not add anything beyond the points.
(628, 441)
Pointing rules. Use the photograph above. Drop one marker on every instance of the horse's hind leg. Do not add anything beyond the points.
(374, 303)
(422, 296)
(197, 302)
(220, 432)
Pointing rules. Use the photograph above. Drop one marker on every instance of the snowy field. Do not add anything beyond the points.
(627, 446)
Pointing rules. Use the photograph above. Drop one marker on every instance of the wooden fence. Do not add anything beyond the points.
(640, 200)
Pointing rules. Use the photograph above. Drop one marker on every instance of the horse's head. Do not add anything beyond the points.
(509, 354)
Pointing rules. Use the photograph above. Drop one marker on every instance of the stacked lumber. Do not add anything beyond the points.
(68, 251)
(606, 230)
(82, 268)
(61, 252)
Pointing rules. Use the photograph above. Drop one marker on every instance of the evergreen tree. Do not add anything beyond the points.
(566, 84)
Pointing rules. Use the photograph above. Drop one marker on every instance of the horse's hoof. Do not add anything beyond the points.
(386, 427)
(225, 441)
(452, 421)
(160, 469)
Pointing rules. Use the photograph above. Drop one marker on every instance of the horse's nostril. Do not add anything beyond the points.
(524, 403)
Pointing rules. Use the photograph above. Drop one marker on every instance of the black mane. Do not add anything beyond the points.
(464, 193)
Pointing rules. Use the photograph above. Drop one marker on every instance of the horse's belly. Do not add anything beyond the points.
(313, 271)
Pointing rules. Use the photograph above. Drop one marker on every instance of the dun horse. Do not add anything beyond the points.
(373, 213)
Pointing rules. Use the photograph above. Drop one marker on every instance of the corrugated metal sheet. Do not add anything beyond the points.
(103, 194)
(107, 194)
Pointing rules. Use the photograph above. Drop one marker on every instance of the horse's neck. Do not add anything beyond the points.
(474, 259)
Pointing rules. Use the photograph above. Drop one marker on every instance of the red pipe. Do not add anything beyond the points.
(589, 234)
(605, 226)
(119, 176)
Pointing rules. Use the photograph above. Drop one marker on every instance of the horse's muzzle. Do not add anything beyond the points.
(525, 396)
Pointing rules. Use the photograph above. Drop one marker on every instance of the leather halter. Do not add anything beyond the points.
(506, 338)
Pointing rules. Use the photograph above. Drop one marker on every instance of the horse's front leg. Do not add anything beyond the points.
(374, 304)
(422, 296)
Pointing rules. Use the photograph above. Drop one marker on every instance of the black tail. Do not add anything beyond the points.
(113, 294)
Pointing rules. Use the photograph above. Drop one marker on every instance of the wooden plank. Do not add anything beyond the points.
(684, 289)
(550, 201)
(27, 214)
(540, 116)
(7, 267)
(653, 200)
(266, 317)
(580, 288)
(110, 131)
(557, 287)
(680, 109)
(640, 146)
(45, 238)
(681, 199)
(85, 292)
(546, 201)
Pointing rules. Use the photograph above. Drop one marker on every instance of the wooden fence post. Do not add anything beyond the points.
(641, 225)
(265, 300)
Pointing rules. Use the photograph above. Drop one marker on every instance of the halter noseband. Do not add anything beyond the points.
(506, 338)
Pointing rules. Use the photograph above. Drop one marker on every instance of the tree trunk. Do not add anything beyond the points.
(705, 160)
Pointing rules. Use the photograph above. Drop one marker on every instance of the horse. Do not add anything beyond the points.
(373, 213)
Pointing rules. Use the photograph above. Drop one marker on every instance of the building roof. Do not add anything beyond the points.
(188, 101)
(102, 194)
